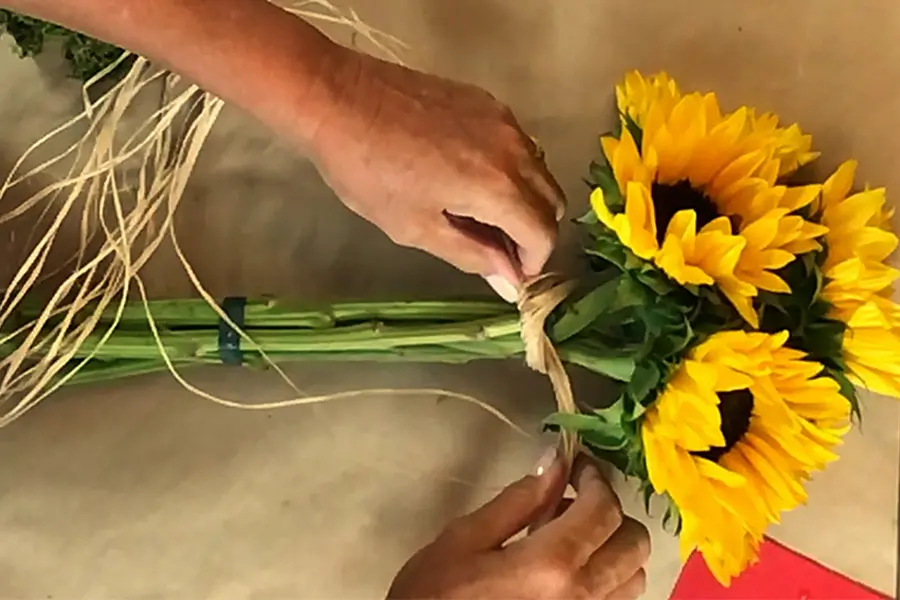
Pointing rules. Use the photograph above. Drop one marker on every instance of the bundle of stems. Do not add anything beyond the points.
(188, 332)
(120, 186)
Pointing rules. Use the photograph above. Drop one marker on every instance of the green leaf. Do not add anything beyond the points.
(692, 289)
(645, 380)
(647, 494)
(608, 248)
(848, 391)
(594, 431)
(577, 422)
(655, 280)
(601, 176)
(630, 293)
(86, 56)
(588, 218)
(634, 129)
(633, 263)
(824, 338)
(617, 458)
(608, 441)
(622, 413)
(820, 283)
(819, 310)
(659, 318)
(585, 311)
(672, 514)
(612, 364)
(613, 414)
(674, 340)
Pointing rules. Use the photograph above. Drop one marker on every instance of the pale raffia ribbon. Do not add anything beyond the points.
(537, 299)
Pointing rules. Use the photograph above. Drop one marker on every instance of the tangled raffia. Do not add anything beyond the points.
(127, 228)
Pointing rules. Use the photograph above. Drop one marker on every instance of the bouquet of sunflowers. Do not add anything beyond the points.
(737, 310)
(785, 297)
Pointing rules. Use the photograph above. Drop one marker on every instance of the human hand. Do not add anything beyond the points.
(440, 166)
(590, 550)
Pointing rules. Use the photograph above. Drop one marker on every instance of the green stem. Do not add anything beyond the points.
(203, 343)
(196, 312)
(443, 332)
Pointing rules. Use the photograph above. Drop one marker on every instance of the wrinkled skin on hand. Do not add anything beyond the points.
(588, 550)
(441, 166)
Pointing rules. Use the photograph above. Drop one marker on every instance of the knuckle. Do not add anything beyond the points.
(609, 518)
(640, 583)
(458, 529)
(512, 138)
(632, 589)
(482, 92)
(505, 184)
(555, 579)
(642, 541)
(503, 109)
(401, 237)
(602, 579)
(520, 493)
(411, 235)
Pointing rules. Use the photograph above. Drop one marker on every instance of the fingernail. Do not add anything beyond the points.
(504, 288)
(546, 461)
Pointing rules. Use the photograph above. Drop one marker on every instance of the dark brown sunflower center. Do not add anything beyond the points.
(735, 409)
(668, 199)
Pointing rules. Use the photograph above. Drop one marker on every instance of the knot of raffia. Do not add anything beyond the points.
(537, 299)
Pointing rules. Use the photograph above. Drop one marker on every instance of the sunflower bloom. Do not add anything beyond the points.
(858, 282)
(700, 197)
(739, 428)
(636, 95)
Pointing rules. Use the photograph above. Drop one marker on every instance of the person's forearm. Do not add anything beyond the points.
(248, 52)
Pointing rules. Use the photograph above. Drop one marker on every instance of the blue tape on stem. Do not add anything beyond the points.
(229, 339)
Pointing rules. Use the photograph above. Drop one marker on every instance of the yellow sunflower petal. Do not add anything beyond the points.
(740, 487)
(641, 218)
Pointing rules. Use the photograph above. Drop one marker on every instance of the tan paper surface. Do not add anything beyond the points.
(140, 490)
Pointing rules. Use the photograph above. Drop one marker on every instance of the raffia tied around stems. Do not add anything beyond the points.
(537, 300)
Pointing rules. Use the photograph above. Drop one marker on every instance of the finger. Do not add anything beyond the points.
(466, 250)
(508, 513)
(564, 505)
(615, 563)
(632, 589)
(495, 238)
(537, 173)
(593, 518)
(550, 515)
(522, 214)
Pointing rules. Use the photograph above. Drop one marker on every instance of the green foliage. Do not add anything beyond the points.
(86, 56)
(587, 310)
(804, 314)
(601, 176)
(633, 128)
(656, 321)
(649, 318)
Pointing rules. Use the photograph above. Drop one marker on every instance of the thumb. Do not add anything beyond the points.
(519, 505)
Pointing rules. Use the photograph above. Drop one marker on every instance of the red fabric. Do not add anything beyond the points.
(780, 574)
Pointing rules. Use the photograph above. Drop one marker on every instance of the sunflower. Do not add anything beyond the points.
(637, 95)
(699, 196)
(858, 282)
(738, 429)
